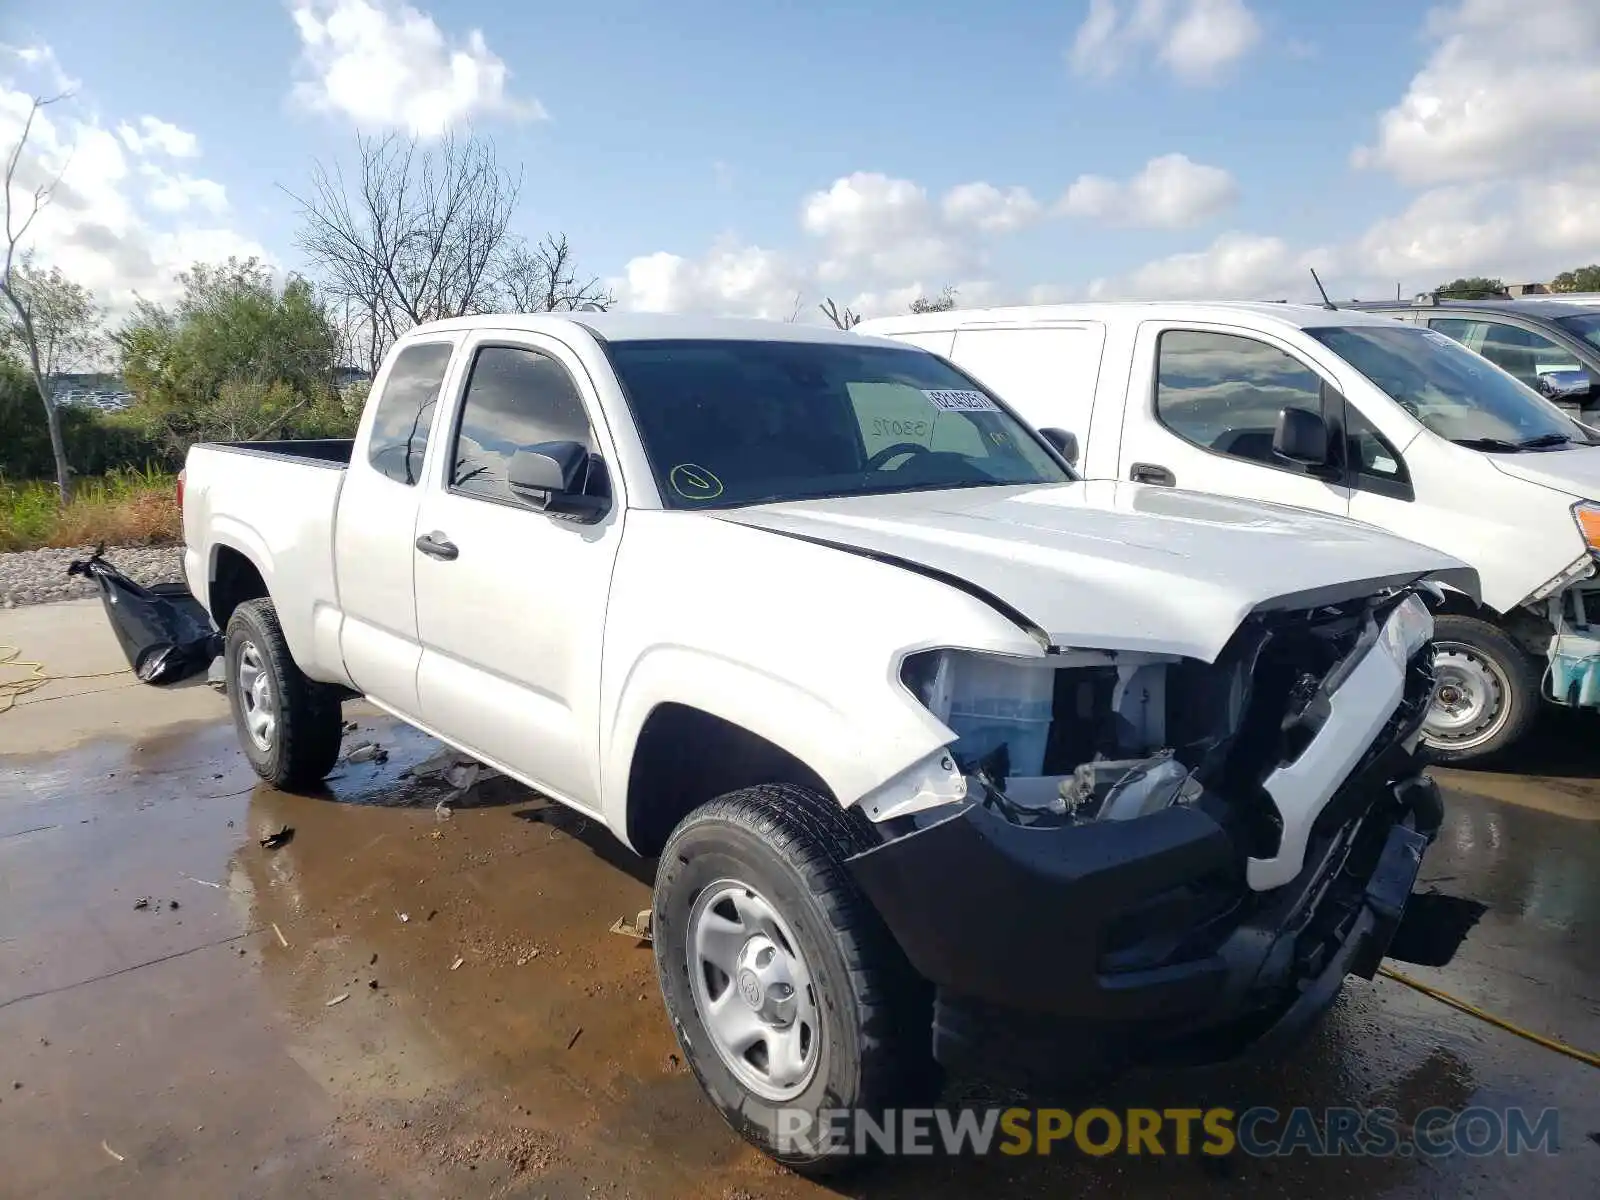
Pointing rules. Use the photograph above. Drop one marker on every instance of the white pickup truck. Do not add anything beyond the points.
(942, 751)
(1342, 412)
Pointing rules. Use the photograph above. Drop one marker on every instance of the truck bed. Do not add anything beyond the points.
(329, 452)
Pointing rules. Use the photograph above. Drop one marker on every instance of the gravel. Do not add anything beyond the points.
(40, 576)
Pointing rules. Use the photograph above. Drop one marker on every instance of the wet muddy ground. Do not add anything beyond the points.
(402, 1004)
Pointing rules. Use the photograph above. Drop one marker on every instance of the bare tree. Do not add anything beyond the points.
(943, 302)
(542, 278)
(794, 311)
(841, 318)
(420, 235)
(52, 321)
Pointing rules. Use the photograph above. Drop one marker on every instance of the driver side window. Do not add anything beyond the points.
(1223, 392)
(893, 413)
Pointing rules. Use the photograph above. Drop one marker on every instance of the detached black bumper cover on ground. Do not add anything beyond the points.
(164, 631)
(1138, 940)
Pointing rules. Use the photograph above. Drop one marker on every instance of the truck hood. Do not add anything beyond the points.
(1575, 471)
(1118, 566)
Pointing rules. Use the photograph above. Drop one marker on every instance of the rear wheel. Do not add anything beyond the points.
(289, 726)
(1486, 691)
(788, 994)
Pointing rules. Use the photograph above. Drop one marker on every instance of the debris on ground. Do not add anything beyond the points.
(368, 752)
(404, 917)
(207, 882)
(282, 941)
(142, 902)
(638, 928)
(281, 838)
(457, 963)
(373, 961)
(112, 1152)
(576, 1034)
(441, 812)
(172, 905)
(339, 999)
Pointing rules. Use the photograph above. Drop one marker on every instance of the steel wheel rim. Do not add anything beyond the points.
(258, 702)
(753, 990)
(1470, 698)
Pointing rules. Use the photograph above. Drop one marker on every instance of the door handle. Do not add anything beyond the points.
(436, 545)
(1151, 473)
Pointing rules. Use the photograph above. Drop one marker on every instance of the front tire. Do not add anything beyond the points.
(1487, 691)
(787, 993)
(289, 726)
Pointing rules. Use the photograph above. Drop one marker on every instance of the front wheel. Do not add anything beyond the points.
(289, 726)
(1486, 691)
(788, 994)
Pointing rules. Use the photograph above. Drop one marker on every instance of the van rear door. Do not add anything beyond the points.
(1046, 372)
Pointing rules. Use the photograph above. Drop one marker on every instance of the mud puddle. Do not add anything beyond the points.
(402, 1003)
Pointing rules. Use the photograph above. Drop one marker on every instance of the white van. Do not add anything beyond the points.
(1344, 412)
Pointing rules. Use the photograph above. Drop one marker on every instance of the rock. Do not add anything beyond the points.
(40, 576)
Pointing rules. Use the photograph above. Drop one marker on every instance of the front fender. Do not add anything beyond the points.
(833, 743)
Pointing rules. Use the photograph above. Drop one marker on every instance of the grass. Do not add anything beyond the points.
(125, 508)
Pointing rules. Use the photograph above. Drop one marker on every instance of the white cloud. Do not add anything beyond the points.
(40, 61)
(1169, 192)
(1517, 231)
(731, 280)
(106, 228)
(155, 136)
(876, 227)
(1234, 266)
(1510, 86)
(175, 193)
(1197, 40)
(386, 65)
(986, 207)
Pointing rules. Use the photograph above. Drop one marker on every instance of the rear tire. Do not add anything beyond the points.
(1487, 691)
(834, 1016)
(289, 726)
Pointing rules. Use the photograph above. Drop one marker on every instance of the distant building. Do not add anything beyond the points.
(1518, 290)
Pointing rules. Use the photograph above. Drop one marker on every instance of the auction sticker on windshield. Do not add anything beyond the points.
(952, 400)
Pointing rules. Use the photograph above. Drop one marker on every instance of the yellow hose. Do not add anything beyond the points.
(12, 690)
(1582, 1056)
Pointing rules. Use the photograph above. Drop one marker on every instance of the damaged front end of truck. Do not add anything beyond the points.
(1155, 858)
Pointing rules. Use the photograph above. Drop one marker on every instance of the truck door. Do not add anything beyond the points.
(511, 602)
(375, 527)
(1203, 404)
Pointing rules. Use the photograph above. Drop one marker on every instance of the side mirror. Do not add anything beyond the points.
(549, 477)
(1065, 443)
(1565, 385)
(1302, 437)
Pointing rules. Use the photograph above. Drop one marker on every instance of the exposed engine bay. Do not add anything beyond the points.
(1086, 735)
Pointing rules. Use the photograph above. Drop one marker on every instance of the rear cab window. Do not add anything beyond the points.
(403, 412)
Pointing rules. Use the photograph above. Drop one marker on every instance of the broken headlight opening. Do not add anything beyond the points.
(1088, 735)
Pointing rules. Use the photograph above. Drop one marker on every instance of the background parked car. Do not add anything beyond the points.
(1548, 343)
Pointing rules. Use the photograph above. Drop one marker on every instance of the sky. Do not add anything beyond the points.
(755, 158)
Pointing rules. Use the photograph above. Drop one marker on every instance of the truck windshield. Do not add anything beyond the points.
(730, 422)
(1450, 389)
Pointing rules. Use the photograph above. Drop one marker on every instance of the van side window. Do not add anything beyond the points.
(515, 398)
(404, 414)
(1224, 392)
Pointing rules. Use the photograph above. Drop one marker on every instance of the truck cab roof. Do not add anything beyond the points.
(643, 326)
